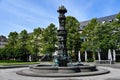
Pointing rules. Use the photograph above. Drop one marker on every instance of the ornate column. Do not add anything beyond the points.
(62, 35)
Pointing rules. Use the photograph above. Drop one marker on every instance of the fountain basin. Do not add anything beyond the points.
(54, 69)
(69, 71)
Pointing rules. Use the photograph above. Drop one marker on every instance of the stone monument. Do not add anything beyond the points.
(62, 35)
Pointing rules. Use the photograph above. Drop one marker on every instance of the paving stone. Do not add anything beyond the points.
(112, 79)
(69, 79)
(10, 74)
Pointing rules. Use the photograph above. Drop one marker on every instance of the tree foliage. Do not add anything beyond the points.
(23, 39)
(102, 36)
(36, 40)
(12, 39)
(49, 39)
(97, 36)
(73, 37)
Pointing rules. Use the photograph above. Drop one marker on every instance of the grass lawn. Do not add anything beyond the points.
(7, 63)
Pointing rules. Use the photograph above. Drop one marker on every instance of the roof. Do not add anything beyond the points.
(107, 18)
(101, 19)
(3, 38)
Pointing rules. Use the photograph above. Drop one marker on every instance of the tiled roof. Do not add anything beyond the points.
(106, 18)
(101, 19)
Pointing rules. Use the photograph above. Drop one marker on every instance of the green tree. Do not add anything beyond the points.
(7, 53)
(89, 37)
(3, 55)
(103, 36)
(107, 35)
(12, 39)
(73, 37)
(49, 39)
(35, 42)
(23, 39)
(116, 31)
(21, 54)
(118, 17)
(23, 45)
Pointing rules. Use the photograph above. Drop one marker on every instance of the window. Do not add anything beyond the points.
(110, 20)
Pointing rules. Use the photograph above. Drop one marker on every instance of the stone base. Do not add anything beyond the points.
(27, 72)
(70, 71)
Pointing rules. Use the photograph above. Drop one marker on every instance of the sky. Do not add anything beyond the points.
(17, 15)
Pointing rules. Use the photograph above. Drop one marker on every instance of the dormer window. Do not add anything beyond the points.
(110, 20)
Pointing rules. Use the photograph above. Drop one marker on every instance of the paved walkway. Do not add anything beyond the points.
(10, 74)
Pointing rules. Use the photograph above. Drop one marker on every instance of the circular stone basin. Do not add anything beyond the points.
(69, 71)
(54, 69)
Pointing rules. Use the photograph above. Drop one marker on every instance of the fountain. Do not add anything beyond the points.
(63, 68)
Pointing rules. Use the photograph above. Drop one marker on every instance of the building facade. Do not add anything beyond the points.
(3, 41)
(109, 18)
(101, 20)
